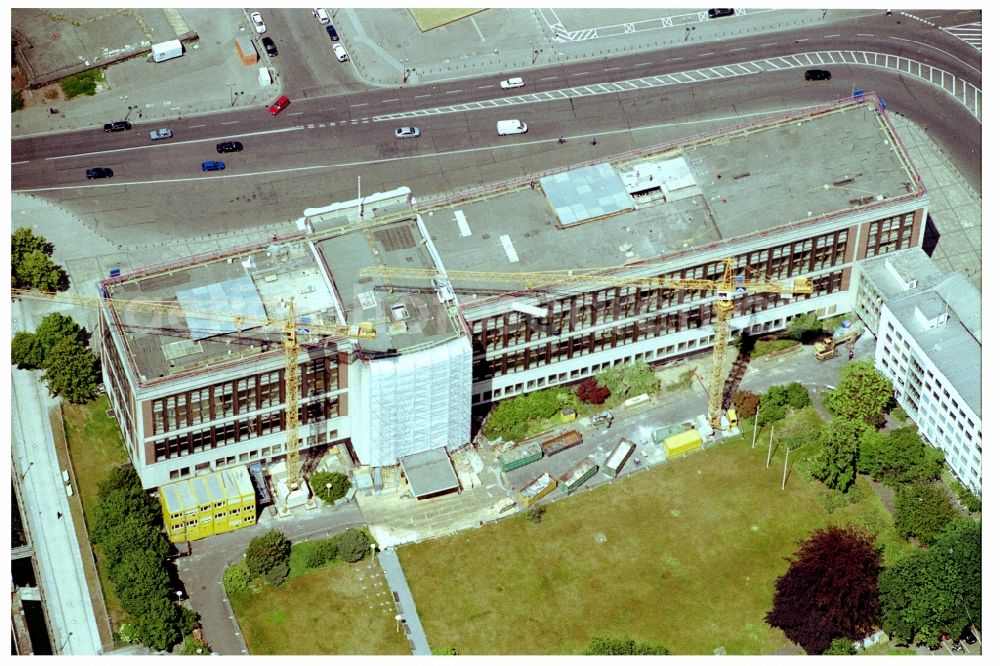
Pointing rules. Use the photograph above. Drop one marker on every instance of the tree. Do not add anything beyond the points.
(841, 646)
(837, 463)
(267, 551)
(622, 645)
(194, 648)
(130, 535)
(799, 429)
(30, 263)
(745, 403)
(627, 381)
(39, 271)
(163, 624)
(904, 457)
(139, 579)
(862, 393)
(511, 418)
(869, 451)
(830, 589)
(796, 396)
(353, 544)
(444, 651)
(26, 351)
(588, 391)
(804, 326)
(339, 485)
(922, 510)
(277, 574)
(935, 591)
(71, 371)
(29, 350)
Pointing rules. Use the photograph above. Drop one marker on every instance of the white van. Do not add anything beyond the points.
(340, 52)
(320, 14)
(505, 127)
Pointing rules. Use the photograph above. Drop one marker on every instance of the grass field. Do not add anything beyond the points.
(333, 610)
(95, 446)
(684, 555)
(428, 19)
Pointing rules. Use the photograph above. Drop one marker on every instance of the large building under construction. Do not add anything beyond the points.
(483, 295)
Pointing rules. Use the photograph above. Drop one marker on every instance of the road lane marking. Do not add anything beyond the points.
(232, 122)
(549, 78)
(22, 162)
(451, 92)
(829, 36)
(193, 126)
(611, 69)
(178, 143)
(742, 48)
(394, 99)
(362, 104)
(642, 64)
(419, 96)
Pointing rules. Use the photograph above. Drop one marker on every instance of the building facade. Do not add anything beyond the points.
(451, 287)
(929, 343)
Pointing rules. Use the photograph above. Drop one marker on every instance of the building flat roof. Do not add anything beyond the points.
(429, 472)
(912, 265)
(692, 194)
(955, 347)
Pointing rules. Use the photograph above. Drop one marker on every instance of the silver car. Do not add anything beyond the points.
(407, 132)
(162, 133)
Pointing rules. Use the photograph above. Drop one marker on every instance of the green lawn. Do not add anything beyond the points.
(95, 446)
(428, 18)
(334, 610)
(689, 556)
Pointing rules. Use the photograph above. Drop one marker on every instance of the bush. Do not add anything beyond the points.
(511, 418)
(84, 83)
(340, 485)
(535, 514)
(192, 647)
(16, 101)
(319, 553)
(267, 551)
(236, 579)
(277, 574)
(628, 381)
(588, 391)
(970, 499)
(796, 396)
(353, 545)
(922, 510)
(804, 326)
(841, 646)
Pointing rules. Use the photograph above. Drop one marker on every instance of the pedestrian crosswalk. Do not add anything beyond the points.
(970, 33)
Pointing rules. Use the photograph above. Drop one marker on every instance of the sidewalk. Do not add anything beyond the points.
(407, 608)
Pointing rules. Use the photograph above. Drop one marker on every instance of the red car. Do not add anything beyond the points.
(279, 106)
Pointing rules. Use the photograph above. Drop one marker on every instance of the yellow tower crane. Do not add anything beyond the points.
(725, 288)
(289, 327)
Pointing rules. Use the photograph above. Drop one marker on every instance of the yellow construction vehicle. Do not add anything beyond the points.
(827, 348)
(725, 288)
(288, 326)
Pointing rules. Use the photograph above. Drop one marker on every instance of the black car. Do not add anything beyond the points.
(99, 172)
(330, 30)
(719, 13)
(118, 126)
(269, 46)
(818, 75)
(229, 147)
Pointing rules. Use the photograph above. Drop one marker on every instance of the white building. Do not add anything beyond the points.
(929, 343)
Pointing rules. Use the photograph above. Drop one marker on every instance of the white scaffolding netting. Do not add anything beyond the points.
(417, 402)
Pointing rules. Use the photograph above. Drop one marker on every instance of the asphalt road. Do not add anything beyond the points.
(314, 151)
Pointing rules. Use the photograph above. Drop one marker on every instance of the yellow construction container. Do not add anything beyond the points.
(214, 503)
(679, 444)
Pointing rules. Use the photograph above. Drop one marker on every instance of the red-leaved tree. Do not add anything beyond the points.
(830, 590)
(590, 392)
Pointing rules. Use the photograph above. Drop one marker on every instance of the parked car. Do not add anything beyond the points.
(719, 13)
(99, 172)
(279, 106)
(162, 133)
(340, 52)
(212, 166)
(269, 46)
(515, 82)
(330, 30)
(407, 132)
(321, 16)
(228, 147)
(818, 75)
(258, 23)
(118, 126)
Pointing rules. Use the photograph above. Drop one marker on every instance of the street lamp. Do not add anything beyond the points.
(399, 618)
(329, 490)
(373, 547)
(406, 70)
(65, 642)
(27, 469)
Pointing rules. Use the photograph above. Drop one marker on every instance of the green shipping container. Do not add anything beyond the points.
(577, 475)
(521, 456)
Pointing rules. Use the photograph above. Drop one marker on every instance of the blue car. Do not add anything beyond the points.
(212, 166)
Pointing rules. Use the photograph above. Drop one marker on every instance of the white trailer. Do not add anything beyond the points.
(167, 50)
